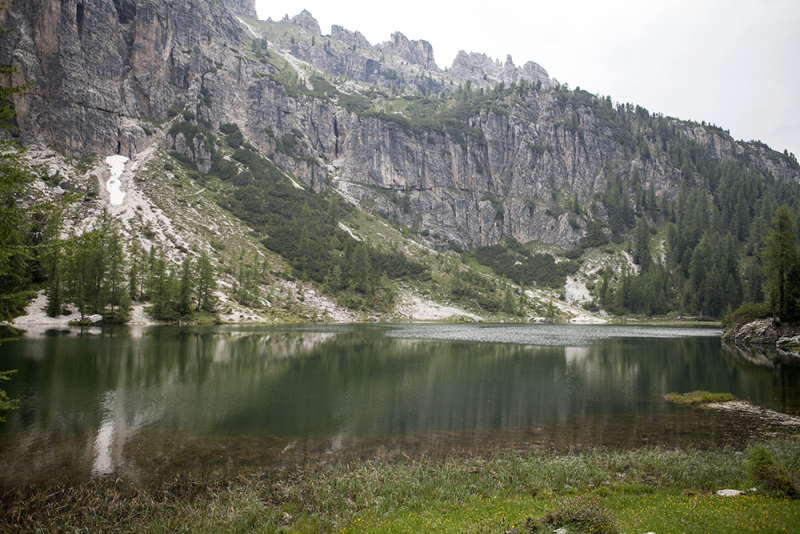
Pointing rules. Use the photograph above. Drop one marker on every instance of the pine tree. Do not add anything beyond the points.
(15, 248)
(780, 255)
(55, 293)
(206, 284)
(641, 251)
(162, 289)
(184, 300)
(114, 290)
(335, 279)
(135, 270)
(509, 303)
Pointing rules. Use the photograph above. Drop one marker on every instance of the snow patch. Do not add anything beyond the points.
(114, 185)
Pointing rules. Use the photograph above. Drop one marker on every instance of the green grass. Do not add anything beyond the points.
(699, 397)
(651, 489)
(662, 511)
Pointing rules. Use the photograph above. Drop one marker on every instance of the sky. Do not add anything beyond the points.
(733, 63)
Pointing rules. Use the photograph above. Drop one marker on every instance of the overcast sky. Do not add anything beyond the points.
(733, 63)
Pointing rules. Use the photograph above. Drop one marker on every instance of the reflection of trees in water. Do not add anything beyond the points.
(103, 388)
(195, 396)
(762, 356)
(777, 389)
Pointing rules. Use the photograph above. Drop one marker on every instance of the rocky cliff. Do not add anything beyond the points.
(510, 153)
(98, 67)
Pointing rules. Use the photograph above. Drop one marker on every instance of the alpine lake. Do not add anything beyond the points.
(147, 402)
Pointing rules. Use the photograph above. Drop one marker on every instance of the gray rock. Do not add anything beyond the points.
(307, 21)
(416, 52)
(494, 172)
(729, 493)
(349, 38)
(243, 7)
(482, 71)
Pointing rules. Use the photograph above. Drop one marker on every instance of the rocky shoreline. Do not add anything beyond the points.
(767, 334)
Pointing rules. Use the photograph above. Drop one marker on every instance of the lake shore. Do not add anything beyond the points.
(647, 489)
(767, 332)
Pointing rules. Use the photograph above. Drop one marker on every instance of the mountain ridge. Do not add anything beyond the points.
(479, 155)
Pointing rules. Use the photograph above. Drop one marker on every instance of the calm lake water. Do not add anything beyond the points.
(143, 402)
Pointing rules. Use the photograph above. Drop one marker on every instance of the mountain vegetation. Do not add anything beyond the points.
(516, 191)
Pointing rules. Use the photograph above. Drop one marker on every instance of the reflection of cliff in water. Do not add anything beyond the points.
(101, 388)
(156, 400)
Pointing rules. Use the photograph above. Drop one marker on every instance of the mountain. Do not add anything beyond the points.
(459, 160)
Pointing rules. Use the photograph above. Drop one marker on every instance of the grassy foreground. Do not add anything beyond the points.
(645, 490)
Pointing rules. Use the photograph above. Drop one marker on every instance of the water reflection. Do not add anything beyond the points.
(103, 463)
(144, 401)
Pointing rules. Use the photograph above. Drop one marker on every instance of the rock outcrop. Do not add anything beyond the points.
(349, 38)
(96, 65)
(482, 71)
(416, 52)
(242, 7)
(766, 332)
(307, 21)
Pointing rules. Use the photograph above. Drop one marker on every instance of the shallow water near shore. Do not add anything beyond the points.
(145, 402)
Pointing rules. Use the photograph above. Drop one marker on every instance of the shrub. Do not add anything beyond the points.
(761, 470)
(576, 515)
(747, 312)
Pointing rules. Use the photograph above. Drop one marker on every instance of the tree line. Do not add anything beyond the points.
(97, 273)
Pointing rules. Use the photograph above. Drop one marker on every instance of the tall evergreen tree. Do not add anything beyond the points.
(641, 250)
(115, 294)
(780, 255)
(206, 284)
(186, 286)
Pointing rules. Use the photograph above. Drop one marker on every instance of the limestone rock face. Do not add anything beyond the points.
(96, 63)
(115, 76)
(416, 52)
(349, 38)
(307, 21)
(242, 7)
(483, 71)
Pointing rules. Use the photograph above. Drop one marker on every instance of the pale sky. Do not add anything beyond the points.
(733, 63)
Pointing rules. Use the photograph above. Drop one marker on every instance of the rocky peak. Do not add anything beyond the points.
(307, 21)
(349, 38)
(417, 52)
(483, 71)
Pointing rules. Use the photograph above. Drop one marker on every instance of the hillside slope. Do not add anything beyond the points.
(484, 154)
